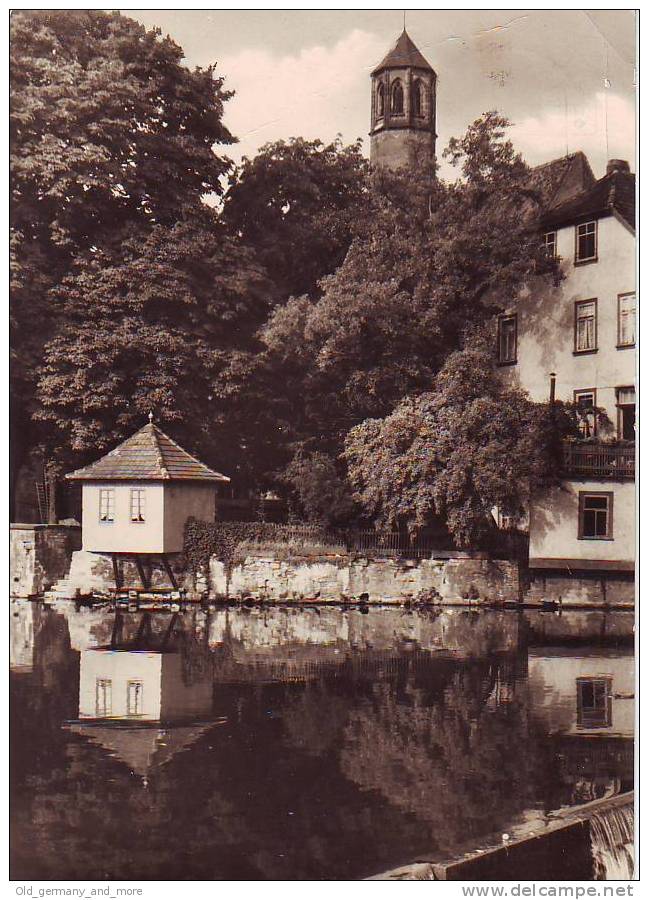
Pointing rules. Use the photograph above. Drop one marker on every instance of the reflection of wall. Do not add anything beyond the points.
(21, 636)
(557, 695)
(163, 695)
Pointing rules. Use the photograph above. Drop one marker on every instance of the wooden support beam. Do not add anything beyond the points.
(141, 572)
(169, 631)
(116, 636)
(168, 570)
(116, 575)
(144, 631)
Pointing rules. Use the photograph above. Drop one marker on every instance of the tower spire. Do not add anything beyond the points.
(403, 114)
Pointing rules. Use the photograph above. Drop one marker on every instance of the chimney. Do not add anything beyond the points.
(617, 165)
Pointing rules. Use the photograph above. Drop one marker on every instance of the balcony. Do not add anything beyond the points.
(615, 461)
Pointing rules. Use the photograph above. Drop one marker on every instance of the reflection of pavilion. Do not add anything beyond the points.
(140, 700)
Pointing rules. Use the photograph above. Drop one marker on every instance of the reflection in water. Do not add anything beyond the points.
(302, 743)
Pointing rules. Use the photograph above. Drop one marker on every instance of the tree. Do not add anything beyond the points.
(297, 203)
(457, 451)
(428, 260)
(152, 327)
(111, 136)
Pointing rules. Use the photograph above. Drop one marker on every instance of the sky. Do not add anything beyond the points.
(565, 79)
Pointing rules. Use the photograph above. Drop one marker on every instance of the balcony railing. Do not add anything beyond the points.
(599, 460)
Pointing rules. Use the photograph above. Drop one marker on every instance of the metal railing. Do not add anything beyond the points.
(599, 460)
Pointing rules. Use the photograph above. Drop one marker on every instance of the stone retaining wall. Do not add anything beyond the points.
(39, 555)
(454, 576)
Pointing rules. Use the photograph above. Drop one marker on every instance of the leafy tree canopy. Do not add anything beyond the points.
(112, 141)
(297, 203)
(428, 260)
(152, 327)
(457, 451)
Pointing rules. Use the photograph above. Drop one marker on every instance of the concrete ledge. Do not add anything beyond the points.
(562, 850)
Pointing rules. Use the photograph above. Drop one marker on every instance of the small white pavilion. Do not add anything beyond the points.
(137, 499)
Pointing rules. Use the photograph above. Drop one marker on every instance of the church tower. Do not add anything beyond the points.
(403, 109)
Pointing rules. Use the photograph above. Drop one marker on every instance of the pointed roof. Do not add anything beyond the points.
(141, 747)
(149, 455)
(404, 54)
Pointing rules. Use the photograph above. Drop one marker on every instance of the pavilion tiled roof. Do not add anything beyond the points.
(404, 54)
(149, 455)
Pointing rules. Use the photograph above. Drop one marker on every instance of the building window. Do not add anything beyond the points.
(550, 243)
(507, 339)
(380, 101)
(106, 504)
(138, 504)
(586, 242)
(585, 326)
(586, 403)
(594, 707)
(595, 516)
(103, 697)
(397, 99)
(626, 320)
(417, 98)
(134, 698)
(625, 413)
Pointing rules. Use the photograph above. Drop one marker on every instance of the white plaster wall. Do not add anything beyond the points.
(546, 323)
(554, 523)
(120, 667)
(122, 535)
(182, 500)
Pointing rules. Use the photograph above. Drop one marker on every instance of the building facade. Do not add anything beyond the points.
(576, 342)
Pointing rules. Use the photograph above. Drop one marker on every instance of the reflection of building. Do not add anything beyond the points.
(139, 685)
(137, 703)
(586, 705)
(582, 695)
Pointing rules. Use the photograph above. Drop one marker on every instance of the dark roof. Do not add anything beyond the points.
(563, 178)
(149, 455)
(614, 194)
(403, 54)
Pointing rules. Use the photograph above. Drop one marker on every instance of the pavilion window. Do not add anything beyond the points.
(106, 504)
(134, 698)
(103, 697)
(138, 504)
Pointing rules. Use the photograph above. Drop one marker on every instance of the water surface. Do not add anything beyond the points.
(314, 743)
